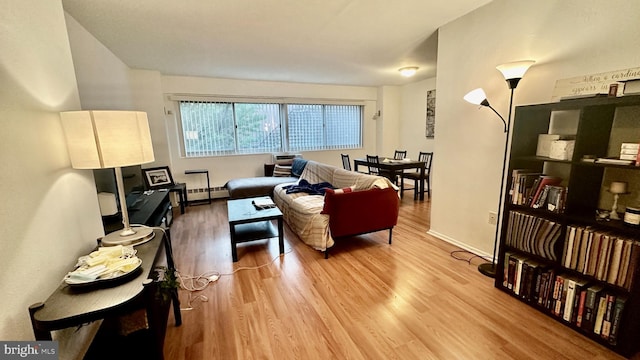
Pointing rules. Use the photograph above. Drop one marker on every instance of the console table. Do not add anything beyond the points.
(70, 306)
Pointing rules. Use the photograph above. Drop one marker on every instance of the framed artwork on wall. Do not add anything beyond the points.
(431, 114)
(158, 177)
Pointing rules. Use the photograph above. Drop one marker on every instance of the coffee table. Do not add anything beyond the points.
(246, 223)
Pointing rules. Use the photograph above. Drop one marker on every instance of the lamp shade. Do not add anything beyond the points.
(107, 139)
(476, 96)
(515, 70)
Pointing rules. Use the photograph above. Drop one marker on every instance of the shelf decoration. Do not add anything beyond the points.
(593, 85)
(617, 188)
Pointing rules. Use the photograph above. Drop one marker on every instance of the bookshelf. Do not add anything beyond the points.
(562, 259)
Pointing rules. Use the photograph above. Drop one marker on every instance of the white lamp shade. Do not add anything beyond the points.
(515, 70)
(107, 139)
(476, 96)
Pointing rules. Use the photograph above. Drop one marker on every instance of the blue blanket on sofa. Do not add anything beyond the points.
(306, 187)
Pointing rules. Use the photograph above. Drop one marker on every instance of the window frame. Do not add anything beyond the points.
(284, 121)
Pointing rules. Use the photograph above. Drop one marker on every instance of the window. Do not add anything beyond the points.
(225, 128)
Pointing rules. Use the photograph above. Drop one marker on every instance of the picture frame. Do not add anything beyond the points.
(431, 114)
(158, 177)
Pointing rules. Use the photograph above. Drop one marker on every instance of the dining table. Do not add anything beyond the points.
(395, 168)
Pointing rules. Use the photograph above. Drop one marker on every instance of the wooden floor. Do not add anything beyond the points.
(369, 300)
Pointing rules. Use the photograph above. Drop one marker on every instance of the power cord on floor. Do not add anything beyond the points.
(454, 254)
(200, 282)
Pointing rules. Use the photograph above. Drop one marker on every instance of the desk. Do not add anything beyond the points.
(145, 208)
(69, 307)
(396, 167)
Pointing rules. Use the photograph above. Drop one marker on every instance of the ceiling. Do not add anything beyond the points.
(347, 42)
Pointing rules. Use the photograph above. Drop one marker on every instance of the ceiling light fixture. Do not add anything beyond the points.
(408, 71)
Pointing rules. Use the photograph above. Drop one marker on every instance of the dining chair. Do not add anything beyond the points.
(373, 159)
(346, 163)
(400, 154)
(426, 158)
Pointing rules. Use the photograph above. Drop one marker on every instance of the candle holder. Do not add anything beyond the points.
(617, 188)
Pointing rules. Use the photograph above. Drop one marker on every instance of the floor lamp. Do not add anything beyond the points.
(111, 139)
(512, 73)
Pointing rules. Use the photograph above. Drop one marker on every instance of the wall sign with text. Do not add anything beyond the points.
(588, 85)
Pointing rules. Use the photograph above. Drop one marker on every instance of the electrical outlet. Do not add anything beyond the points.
(493, 218)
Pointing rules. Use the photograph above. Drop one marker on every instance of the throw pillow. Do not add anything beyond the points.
(340, 191)
(329, 193)
(298, 166)
(281, 171)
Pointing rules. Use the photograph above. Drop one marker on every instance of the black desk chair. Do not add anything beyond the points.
(426, 158)
(346, 163)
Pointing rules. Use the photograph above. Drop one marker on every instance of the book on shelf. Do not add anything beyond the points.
(587, 250)
(520, 261)
(547, 301)
(573, 263)
(568, 246)
(559, 294)
(585, 246)
(591, 306)
(569, 299)
(555, 198)
(606, 320)
(634, 262)
(507, 269)
(602, 255)
(625, 257)
(614, 161)
(545, 180)
(616, 254)
(616, 318)
(600, 309)
(575, 286)
(533, 234)
(593, 255)
(581, 306)
(521, 185)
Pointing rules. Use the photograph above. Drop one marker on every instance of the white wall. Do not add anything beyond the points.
(223, 168)
(388, 125)
(567, 38)
(49, 211)
(106, 83)
(413, 115)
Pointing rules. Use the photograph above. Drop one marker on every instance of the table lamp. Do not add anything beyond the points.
(111, 139)
(617, 188)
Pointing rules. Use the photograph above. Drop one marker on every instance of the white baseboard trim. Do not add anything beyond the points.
(461, 245)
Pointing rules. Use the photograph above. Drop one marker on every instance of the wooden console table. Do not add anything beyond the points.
(70, 306)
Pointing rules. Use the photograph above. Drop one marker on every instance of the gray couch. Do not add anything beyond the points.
(242, 188)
